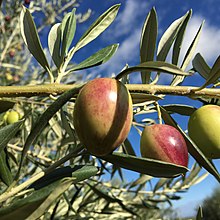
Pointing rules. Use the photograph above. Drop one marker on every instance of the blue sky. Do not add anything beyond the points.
(126, 31)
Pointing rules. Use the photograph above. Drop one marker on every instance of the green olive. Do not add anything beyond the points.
(11, 117)
(204, 130)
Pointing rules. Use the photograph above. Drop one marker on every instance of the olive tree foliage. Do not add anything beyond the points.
(45, 170)
(211, 205)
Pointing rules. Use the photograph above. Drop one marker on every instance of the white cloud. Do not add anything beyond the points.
(128, 19)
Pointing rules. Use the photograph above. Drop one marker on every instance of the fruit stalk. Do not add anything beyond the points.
(47, 89)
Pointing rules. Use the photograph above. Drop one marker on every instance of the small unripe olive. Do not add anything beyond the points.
(11, 117)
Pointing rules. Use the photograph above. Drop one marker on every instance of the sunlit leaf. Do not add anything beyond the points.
(214, 74)
(141, 180)
(96, 59)
(200, 65)
(98, 26)
(160, 183)
(54, 42)
(150, 167)
(188, 56)
(148, 41)
(167, 39)
(31, 38)
(159, 66)
(68, 28)
(179, 38)
(190, 52)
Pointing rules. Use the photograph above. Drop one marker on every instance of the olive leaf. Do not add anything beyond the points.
(5, 105)
(147, 166)
(179, 38)
(98, 26)
(8, 132)
(180, 109)
(141, 97)
(148, 41)
(200, 66)
(214, 74)
(168, 38)
(34, 205)
(68, 28)
(42, 121)
(159, 66)
(54, 43)
(31, 38)
(5, 173)
(188, 56)
(199, 215)
(96, 59)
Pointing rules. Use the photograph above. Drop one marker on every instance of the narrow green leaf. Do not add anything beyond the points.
(148, 41)
(192, 148)
(57, 192)
(199, 215)
(214, 74)
(193, 174)
(68, 31)
(128, 147)
(42, 121)
(38, 201)
(141, 97)
(179, 38)
(22, 208)
(200, 66)
(180, 109)
(5, 173)
(54, 42)
(5, 105)
(160, 183)
(188, 56)
(141, 180)
(167, 39)
(199, 179)
(31, 38)
(192, 48)
(8, 132)
(98, 26)
(96, 59)
(147, 166)
(66, 125)
(159, 66)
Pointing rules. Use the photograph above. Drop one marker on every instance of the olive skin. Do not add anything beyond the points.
(204, 130)
(103, 115)
(11, 117)
(165, 143)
